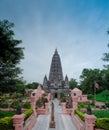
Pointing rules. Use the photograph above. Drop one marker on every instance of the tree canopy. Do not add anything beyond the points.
(10, 55)
(73, 83)
(106, 55)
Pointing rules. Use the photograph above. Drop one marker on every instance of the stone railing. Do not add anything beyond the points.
(66, 110)
(87, 125)
(78, 122)
(81, 125)
(29, 123)
(41, 111)
(18, 121)
(20, 124)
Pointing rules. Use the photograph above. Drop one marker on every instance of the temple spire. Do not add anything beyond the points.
(56, 52)
(56, 75)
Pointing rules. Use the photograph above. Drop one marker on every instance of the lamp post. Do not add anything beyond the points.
(19, 109)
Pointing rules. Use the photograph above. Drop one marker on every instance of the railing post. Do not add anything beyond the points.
(75, 103)
(63, 104)
(46, 107)
(18, 121)
(89, 121)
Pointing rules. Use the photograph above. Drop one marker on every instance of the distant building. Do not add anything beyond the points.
(56, 84)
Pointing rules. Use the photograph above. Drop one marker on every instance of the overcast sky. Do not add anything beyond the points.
(77, 28)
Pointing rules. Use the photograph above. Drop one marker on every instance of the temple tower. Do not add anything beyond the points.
(55, 83)
(56, 75)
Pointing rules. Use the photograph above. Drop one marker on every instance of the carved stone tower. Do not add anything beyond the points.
(56, 84)
(56, 75)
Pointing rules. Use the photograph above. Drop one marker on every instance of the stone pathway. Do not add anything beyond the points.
(63, 122)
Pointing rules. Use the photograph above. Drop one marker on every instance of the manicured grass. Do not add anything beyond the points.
(103, 96)
(101, 113)
(7, 113)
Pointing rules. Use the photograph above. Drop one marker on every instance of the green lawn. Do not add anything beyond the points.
(103, 96)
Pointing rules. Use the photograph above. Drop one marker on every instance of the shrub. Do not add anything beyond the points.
(26, 105)
(41, 102)
(101, 113)
(90, 96)
(6, 123)
(80, 105)
(45, 100)
(14, 104)
(63, 99)
(80, 114)
(102, 123)
(28, 113)
(83, 105)
(4, 105)
(6, 113)
(107, 104)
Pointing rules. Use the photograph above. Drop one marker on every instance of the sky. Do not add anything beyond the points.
(77, 28)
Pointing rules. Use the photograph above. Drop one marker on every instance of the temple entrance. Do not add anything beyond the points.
(55, 95)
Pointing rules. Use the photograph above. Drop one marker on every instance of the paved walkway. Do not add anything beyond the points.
(63, 122)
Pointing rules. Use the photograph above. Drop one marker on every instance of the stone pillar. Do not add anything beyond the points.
(63, 104)
(89, 121)
(75, 103)
(33, 105)
(46, 107)
(18, 121)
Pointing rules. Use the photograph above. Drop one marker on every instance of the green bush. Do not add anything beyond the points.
(14, 104)
(102, 123)
(107, 104)
(4, 105)
(83, 105)
(41, 102)
(101, 113)
(80, 105)
(6, 123)
(6, 113)
(63, 99)
(26, 105)
(90, 96)
(80, 114)
(28, 113)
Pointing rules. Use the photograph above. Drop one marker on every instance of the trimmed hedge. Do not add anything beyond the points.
(28, 113)
(7, 113)
(80, 114)
(26, 105)
(102, 123)
(101, 113)
(6, 123)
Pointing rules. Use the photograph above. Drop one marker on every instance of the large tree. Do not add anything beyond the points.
(106, 59)
(73, 83)
(88, 78)
(106, 55)
(10, 55)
